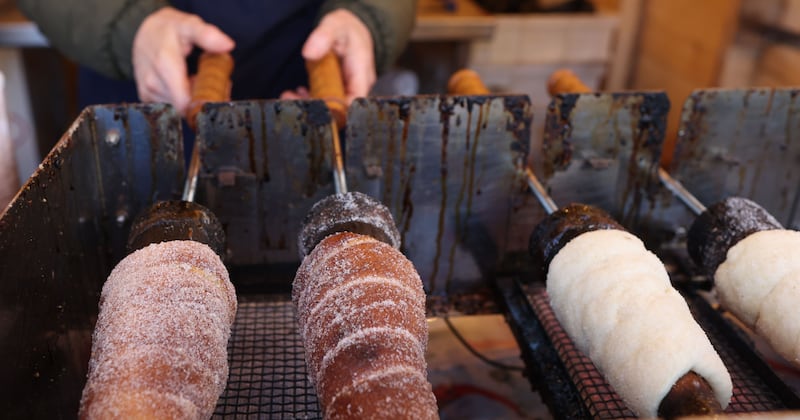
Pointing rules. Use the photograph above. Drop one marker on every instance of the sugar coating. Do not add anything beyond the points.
(159, 345)
(377, 398)
(353, 211)
(759, 282)
(361, 313)
(722, 226)
(614, 299)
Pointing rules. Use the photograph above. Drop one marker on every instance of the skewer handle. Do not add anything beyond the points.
(565, 81)
(212, 83)
(466, 82)
(325, 82)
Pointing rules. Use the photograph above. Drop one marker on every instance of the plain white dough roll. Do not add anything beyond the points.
(159, 348)
(758, 282)
(614, 299)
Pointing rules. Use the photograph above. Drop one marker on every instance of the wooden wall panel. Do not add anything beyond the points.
(681, 47)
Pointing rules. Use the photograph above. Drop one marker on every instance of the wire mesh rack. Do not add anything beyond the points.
(268, 378)
(753, 388)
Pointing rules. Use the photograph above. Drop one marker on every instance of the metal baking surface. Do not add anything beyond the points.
(600, 148)
(268, 377)
(449, 169)
(264, 164)
(743, 143)
(60, 239)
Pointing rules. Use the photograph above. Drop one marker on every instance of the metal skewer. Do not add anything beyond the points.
(190, 186)
(212, 84)
(339, 179)
(326, 83)
(681, 192)
(540, 192)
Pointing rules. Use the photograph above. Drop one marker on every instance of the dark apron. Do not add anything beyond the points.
(269, 36)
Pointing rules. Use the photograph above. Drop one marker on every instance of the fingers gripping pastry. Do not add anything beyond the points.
(361, 310)
(615, 300)
(159, 345)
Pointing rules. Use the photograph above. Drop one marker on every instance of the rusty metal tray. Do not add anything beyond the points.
(448, 167)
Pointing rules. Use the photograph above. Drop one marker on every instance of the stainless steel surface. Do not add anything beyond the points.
(339, 176)
(681, 192)
(602, 149)
(62, 236)
(540, 192)
(190, 186)
(450, 171)
(264, 164)
(742, 143)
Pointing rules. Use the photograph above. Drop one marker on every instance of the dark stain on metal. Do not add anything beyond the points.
(648, 114)
(96, 160)
(247, 124)
(408, 205)
(457, 232)
(479, 100)
(403, 106)
(391, 151)
(265, 177)
(407, 171)
(445, 113)
(556, 146)
(788, 136)
(693, 127)
(519, 121)
(760, 161)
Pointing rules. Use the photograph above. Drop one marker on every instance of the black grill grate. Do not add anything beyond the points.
(750, 392)
(268, 377)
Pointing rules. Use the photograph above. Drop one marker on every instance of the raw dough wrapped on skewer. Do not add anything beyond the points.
(614, 299)
(755, 264)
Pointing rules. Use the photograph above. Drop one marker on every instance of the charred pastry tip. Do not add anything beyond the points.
(722, 226)
(563, 225)
(690, 396)
(177, 220)
(353, 212)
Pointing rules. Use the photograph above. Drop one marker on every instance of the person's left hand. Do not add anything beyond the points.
(346, 35)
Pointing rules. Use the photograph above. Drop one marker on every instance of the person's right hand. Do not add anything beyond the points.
(160, 47)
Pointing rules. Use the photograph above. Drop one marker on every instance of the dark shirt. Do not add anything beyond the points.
(269, 36)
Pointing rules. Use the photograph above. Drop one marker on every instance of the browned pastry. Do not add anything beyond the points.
(690, 396)
(159, 345)
(361, 312)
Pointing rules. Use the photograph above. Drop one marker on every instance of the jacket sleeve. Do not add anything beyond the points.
(94, 33)
(389, 21)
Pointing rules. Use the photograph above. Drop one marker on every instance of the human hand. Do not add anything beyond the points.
(160, 47)
(346, 35)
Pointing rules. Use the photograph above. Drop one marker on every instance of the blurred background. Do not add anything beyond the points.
(671, 45)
